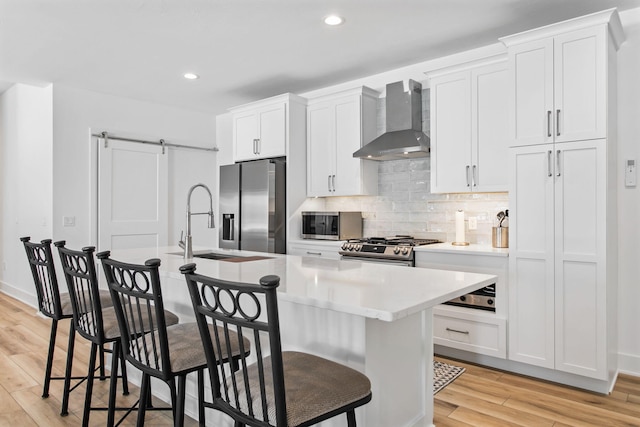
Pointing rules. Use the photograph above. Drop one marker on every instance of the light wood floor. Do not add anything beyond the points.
(480, 397)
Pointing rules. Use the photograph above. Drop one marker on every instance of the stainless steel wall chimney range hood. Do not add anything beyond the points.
(403, 138)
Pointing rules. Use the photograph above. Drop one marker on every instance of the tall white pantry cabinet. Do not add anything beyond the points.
(562, 193)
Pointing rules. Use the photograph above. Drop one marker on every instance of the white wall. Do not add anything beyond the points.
(46, 141)
(25, 181)
(629, 198)
(78, 113)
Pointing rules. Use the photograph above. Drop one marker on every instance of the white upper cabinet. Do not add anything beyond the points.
(260, 129)
(559, 80)
(469, 128)
(337, 126)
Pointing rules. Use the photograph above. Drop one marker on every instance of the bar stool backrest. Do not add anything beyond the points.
(44, 276)
(80, 273)
(137, 299)
(249, 310)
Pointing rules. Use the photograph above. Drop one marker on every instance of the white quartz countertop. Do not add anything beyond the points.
(378, 291)
(471, 249)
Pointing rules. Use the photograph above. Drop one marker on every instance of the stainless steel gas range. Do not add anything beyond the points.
(390, 250)
(399, 250)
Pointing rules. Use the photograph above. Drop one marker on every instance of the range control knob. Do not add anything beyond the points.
(345, 246)
(405, 250)
(490, 301)
(358, 247)
(396, 250)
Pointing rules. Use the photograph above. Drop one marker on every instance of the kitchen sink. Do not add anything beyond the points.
(224, 257)
(214, 255)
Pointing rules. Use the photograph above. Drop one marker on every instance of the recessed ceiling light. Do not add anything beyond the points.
(333, 20)
(191, 76)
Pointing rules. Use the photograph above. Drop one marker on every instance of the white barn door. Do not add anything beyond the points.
(132, 195)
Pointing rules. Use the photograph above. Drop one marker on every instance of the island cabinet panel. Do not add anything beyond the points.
(262, 129)
(337, 126)
(469, 128)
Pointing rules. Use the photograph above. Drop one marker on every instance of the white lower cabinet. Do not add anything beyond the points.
(473, 330)
(327, 250)
(562, 270)
(458, 328)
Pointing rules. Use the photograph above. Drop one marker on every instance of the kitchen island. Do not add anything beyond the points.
(375, 318)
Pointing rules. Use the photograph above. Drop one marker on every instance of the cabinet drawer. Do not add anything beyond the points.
(482, 337)
(315, 251)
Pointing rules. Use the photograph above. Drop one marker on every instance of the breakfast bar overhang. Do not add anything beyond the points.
(372, 317)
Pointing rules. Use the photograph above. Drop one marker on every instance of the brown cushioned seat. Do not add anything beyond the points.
(67, 310)
(110, 321)
(313, 386)
(185, 346)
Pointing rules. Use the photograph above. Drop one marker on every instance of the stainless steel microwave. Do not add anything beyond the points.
(332, 225)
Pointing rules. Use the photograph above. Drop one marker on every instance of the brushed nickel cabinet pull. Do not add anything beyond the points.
(474, 178)
(549, 123)
(549, 153)
(467, 173)
(558, 163)
(314, 253)
(455, 330)
(329, 182)
(558, 122)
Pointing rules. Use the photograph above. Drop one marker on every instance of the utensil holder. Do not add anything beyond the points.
(500, 237)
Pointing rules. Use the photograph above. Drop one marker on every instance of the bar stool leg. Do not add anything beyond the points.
(67, 373)
(102, 374)
(178, 420)
(123, 368)
(90, 377)
(351, 418)
(52, 346)
(115, 356)
(201, 418)
(144, 396)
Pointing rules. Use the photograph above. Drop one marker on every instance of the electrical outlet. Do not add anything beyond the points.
(68, 221)
(473, 223)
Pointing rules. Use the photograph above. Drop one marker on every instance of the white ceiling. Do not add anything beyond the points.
(246, 50)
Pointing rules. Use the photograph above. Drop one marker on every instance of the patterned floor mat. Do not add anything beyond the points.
(443, 374)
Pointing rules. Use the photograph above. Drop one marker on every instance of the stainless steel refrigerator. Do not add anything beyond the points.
(252, 206)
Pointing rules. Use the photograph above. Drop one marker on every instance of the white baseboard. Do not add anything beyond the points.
(19, 294)
(629, 364)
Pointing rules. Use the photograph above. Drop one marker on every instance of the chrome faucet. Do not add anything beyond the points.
(186, 243)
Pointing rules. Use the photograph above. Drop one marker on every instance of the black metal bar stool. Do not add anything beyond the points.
(97, 324)
(284, 389)
(167, 352)
(56, 306)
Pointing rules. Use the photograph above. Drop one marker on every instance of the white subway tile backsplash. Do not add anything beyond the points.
(405, 204)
